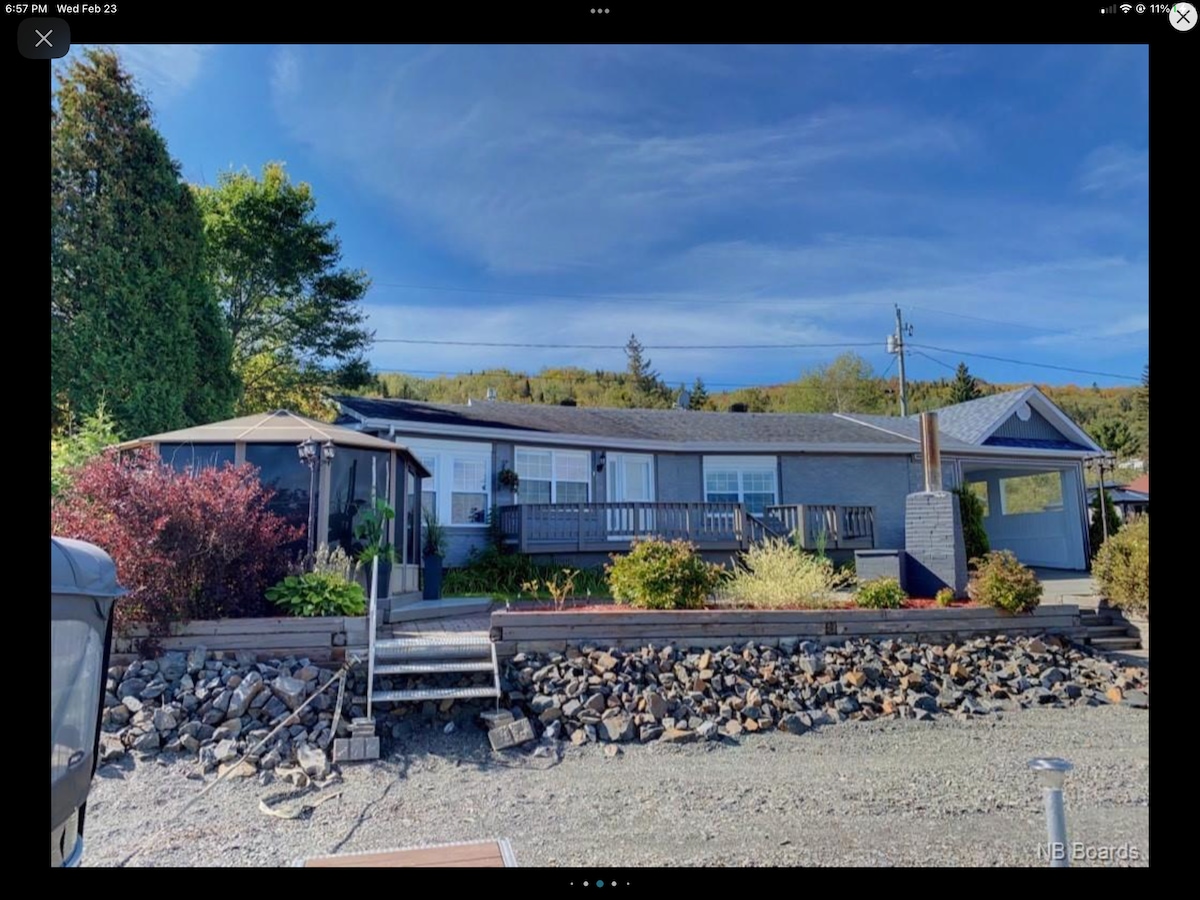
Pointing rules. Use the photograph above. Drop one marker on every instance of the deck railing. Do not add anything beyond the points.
(844, 527)
(605, 527)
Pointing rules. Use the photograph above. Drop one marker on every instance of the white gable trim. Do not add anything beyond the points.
(1049, 411)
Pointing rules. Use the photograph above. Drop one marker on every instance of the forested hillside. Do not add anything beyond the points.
(1115, 416)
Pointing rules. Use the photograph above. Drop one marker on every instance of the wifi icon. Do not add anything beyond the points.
(1126, 7)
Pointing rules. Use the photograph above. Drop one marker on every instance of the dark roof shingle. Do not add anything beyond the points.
(641, 424)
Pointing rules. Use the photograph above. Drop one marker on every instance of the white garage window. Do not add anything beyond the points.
(553, 476)
(1037, 493)
(749, 480)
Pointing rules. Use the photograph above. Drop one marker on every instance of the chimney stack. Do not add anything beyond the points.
(931, 453)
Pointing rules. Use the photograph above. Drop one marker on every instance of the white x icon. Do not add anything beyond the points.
(1183, 17)
(43, 38)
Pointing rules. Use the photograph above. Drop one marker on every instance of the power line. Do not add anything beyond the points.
(654, 347)
(1023, 362)
(607, 298)
(936, 360)
(971, 318)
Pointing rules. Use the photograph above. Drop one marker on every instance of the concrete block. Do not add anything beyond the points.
(511, 735)
(357, 748)
(494, 718)
(341, 750)
(371, 748)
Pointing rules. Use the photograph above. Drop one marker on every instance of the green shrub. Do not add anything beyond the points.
(1001, 581)
(657, 574)
(970, 509)
(776, 574)
(1122, 567)
(1096, 529)
(880, 593)
(944, 597)
(319, 594)
(496, 572)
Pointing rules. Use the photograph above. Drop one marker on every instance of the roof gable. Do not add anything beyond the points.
(1020, 418)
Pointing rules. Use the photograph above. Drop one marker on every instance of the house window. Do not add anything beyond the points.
(553, 476)
(749, 480)
(429, 487)
(1031, 494)
(469, 491)
(458, 490)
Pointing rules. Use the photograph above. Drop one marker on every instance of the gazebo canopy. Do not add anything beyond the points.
(279, 427)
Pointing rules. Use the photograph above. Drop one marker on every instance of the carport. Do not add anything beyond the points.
(1035, 509)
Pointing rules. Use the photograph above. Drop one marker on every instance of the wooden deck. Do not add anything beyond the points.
(609, 527)
(480, 854)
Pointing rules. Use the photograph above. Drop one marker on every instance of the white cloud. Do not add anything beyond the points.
(525, 160)
(1115, 168)
(165, 71)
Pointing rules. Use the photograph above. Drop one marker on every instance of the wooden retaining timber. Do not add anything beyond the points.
(323, 638)
(517, 632)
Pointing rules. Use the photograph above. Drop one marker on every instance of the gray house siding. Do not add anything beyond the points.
(879, 481)
(1037, 428)
(678, 477)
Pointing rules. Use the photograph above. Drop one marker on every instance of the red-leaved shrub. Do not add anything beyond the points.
(191, 545)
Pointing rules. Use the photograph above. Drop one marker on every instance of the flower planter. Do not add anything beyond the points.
(432, 587)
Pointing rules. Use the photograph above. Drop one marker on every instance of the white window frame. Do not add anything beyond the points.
(741, 465)
(556, 455)
(442, 454)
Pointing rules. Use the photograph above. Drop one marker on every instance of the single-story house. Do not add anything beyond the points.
(576, 483)
(1129, 500)
(325, 488)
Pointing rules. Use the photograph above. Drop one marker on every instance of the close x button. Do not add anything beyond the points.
(43, 38)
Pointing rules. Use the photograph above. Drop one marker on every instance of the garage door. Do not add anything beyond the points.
(1036, 516)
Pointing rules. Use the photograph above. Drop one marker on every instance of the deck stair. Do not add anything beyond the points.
(423, 663)
(1106, 629)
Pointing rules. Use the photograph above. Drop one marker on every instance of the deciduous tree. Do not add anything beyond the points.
(293, 311)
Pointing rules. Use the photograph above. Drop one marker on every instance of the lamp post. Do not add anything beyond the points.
(1053, 774)
(314, 456)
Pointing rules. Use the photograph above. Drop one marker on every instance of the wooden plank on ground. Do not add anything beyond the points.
(482, 855)
(274, 625)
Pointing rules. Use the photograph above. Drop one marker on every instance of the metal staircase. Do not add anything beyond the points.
(414, 657)
(418, 658)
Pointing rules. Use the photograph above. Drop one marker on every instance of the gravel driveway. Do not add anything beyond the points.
(859, 793)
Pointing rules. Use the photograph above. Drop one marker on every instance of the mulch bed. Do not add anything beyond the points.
(601, 605)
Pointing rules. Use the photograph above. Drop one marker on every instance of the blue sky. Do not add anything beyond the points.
(706, 195)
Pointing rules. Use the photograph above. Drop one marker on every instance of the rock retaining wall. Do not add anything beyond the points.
(674, 693)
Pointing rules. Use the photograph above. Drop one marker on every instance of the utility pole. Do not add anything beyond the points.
(895, 344)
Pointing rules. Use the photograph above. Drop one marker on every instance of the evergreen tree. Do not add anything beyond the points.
(527, 390)
(964, 387)
(132, 318)
(699, 398)
(1142, 406)
(1098, 524)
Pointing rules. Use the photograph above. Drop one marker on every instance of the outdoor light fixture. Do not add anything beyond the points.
(601, 460)
(307, 451)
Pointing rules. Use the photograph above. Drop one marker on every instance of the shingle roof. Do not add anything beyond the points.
(908, 427)
(279, 427)
(1141, 484)
(641, 424)
(971, 421)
